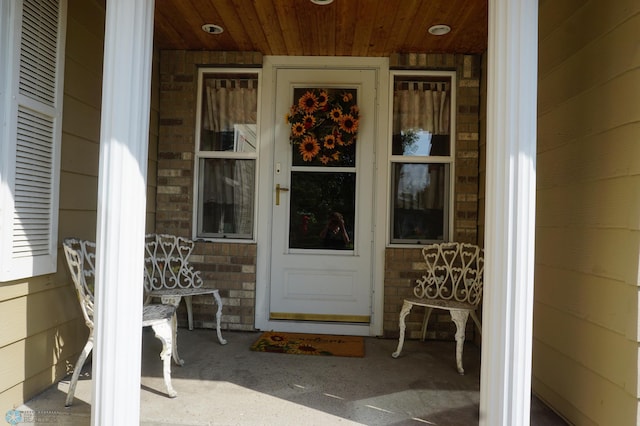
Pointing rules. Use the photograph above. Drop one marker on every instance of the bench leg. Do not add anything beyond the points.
(425, 321)
(164, 333)
(218, 300)
(187, 302)
(459, 317)
(406, 308)
(78, 368)
(174, 338)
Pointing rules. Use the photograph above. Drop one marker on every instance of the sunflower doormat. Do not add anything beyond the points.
(309, 344)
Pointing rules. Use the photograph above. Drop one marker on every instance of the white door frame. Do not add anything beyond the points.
(266, 186)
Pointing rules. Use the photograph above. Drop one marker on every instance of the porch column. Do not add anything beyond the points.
(121, 211)
(505, 382)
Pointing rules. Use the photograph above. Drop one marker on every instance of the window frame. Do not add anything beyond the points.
(199, 154)
(448, 231)
(28, 251)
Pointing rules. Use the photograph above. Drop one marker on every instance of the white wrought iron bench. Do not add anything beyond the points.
(81, 255)
(453, 281)
(170, 277)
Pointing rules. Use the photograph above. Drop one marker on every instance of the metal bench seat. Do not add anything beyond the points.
(81, 256)
(169, 276)
(453, 281)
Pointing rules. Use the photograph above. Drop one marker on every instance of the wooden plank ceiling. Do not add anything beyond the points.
(342, 28)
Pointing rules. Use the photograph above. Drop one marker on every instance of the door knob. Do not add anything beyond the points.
(278, 189)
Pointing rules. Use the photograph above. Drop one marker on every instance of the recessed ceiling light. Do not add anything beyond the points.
(212, 29)
(439, 30)
(322, 2)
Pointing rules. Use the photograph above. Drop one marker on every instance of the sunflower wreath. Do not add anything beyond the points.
(323, 124)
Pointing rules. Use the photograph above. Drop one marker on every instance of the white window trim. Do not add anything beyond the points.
(17, 266)
(223, 154)
(451, 159)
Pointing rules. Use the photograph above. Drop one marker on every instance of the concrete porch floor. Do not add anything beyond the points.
(231, 385)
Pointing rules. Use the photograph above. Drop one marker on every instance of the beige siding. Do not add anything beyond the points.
(42, 330)
(585, 347)
(35, 362)
(39, 336)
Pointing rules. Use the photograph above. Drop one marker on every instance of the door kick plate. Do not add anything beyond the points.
(319, 317)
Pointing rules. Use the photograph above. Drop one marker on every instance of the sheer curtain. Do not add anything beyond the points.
(230, 105)
(423, 108)
(229, 102)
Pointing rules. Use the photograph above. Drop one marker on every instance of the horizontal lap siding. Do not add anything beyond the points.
(34, 363)
(585, 350)
(40, 334)
(42, 329)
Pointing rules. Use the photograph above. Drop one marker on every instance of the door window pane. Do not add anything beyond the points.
(322, 210)
(324, 127)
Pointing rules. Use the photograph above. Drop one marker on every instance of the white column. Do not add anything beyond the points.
(505, 382)
(121, 211)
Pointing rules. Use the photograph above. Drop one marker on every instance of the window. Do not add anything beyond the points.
(226, 154)
(421, 157)
(31, 82)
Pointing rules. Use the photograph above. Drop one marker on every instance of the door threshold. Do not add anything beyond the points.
(360, 319)
(316, 327)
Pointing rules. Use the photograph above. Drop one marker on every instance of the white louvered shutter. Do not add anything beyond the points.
(34, 139)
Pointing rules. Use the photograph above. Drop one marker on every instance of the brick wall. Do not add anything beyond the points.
(229, 267)
(401, 264)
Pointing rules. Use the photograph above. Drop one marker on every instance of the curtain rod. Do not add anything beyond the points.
(422, 85)
(436, 84)
(231, 79)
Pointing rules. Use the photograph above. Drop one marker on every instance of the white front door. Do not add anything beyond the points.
(322, 217)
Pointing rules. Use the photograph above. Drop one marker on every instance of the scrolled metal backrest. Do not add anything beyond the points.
(166, 263)
(454, 272)
(81, 260)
